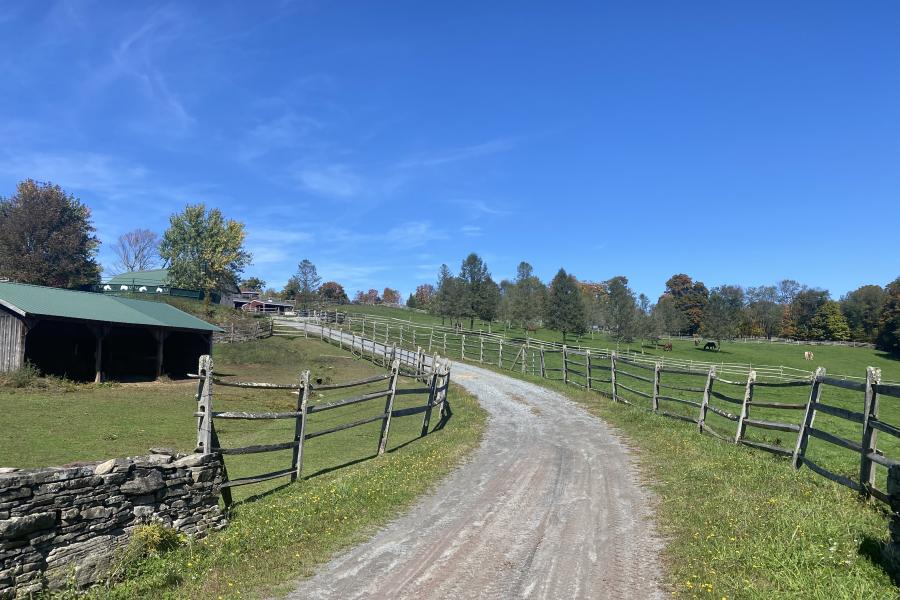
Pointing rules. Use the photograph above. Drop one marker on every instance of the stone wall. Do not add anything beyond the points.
(57, 524)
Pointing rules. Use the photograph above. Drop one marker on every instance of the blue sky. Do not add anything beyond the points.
(736, 142)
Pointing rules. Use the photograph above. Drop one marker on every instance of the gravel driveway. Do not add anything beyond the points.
(547, 507)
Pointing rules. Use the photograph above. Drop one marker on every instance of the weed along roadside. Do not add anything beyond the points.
(361, 460)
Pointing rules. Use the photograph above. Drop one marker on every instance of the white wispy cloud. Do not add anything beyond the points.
(470, 230)
(100, 173)
(135, 59)
(479, 207)
(288, 130)
(457, 154)
(335, 180)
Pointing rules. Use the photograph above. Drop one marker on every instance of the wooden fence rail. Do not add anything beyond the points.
(692, 391)
(430, 369)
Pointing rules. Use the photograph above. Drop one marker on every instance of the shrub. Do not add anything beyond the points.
(25, 376)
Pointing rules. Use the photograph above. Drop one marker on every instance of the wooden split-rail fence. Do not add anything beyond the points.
(435, 378)
(708, 395)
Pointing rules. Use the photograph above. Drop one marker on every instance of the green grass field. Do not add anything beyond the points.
(739, 523)
(347, 491)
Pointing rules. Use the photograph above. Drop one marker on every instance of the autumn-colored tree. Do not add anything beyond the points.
(203, 250)
(390, 296)
(47, 238)
(332, 291)
(424, 295)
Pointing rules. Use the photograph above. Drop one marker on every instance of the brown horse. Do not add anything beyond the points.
(667, 347)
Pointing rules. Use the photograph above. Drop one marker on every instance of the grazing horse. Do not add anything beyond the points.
(667, 347)
(710, 346)
(808, 355)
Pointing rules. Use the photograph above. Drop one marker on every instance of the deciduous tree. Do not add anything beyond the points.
(203, 250)
(47, 238)
(862, 308)
(689, 298)
(332, 291)
(889, 325)
(722, 315)
(829, 323)
(137, 250)
(390, 296)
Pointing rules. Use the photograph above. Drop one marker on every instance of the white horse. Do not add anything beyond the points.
(808, 355)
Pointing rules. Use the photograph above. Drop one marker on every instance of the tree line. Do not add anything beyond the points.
(786, 309)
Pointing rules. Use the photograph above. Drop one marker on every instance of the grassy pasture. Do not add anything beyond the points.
(838, 360)
(347, 492)
(90, 422)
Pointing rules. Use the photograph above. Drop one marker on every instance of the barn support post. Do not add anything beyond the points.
(160, 335)
(99, 333)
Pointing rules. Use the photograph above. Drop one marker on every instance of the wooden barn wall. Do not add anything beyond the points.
(12, 342)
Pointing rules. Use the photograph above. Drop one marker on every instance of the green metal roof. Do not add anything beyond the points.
(155, 278)
(35, 300)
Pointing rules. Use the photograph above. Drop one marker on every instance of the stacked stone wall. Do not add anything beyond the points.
(64, 526)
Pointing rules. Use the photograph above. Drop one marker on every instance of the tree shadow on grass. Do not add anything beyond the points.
(888, 356)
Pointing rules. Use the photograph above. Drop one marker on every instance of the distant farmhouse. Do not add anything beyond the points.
(252, 301)
(90, 336)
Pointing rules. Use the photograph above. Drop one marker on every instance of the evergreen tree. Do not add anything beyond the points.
(565, 307)
(621, 309)
(304, 284)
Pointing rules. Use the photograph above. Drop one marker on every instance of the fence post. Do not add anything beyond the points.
(543, 370)
(745, 407)
(300, 426)
(587, 368)
(869, 437)
(565, 355)
(480, 349)
(445, 342)
(401, 336)
(704, 405)
(231, 339)
(430, 339)
(612, 375)
(389, 407)
(809, 416)
(656, 372)
(500, 355)
(432, 391)
(462, 347)
(524, 348)
(204, 405)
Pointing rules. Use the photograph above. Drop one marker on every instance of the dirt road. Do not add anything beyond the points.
(547, 507)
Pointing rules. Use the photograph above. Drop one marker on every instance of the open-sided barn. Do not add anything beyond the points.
(88, 336)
